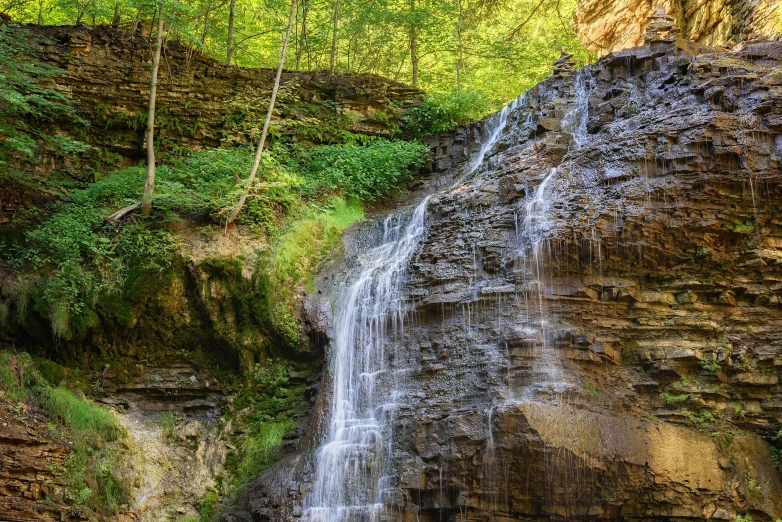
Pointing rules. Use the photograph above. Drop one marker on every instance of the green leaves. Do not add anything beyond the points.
(25, 104)
(444, 112)
(372, 36)
(365, 173)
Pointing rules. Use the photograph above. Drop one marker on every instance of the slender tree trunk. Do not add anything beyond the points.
(115, 20)
(231, 16)
(413, 43)
(302, 41)
(333, 63)
(149, 185)
(262, 141)
(206, 24)
(40, 12)
(460, 64)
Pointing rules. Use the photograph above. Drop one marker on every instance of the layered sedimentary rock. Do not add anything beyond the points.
(31, 486)
(594, 323)
(606, 26)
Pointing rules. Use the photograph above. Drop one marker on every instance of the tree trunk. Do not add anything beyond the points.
(40, 12)
(115, 20)
(333, 63)
(413, 43)
(231, 16)
(262, 141)
(149, 184)
(206, 24)
(303, 35)
(460, 64)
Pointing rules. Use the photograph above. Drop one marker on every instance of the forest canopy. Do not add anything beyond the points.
(495, 49)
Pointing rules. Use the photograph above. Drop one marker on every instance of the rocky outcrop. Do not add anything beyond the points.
(606, 26)
(30, 455)
(594, 326)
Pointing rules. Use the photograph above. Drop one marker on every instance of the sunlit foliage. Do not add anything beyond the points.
(498, 47)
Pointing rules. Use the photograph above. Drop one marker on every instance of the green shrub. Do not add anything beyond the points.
(446, 111)
(206, 506)
(744, 228)
(701, 253)
(671, 398)
(364, 173)
(260, 449)
(711, 366)
(25, 106)
(700, 416)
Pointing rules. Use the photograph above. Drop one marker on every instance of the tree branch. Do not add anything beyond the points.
(122, 213)
(525, 22)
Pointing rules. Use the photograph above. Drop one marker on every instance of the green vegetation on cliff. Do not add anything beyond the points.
(26, 105)
(89, 469)
(72, 260)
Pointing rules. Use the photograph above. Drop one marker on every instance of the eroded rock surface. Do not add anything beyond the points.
(605, 25)
(595, 328)
(30, 488)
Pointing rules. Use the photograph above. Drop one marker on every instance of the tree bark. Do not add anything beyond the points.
(413, 43)
(206, 24)
(115, 20)
(149, 184)
(302, 41)
(460, 64)
(266, 123)
(333, 63)
(231, 16)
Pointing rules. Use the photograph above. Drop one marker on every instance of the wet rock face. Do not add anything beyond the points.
(605, 26)
(595, 328)
(610, 347)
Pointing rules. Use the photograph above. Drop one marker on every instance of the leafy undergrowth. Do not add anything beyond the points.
(446, 111)
(26, 106)
(88, 471)
(266, 412)
(70, 261)
(297, 252)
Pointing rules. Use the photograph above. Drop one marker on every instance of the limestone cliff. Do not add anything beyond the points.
(594, 314)
(606, 26)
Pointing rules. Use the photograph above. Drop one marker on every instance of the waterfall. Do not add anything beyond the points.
(533, 229)
(494, 129)
(575, 121)
(352, 464)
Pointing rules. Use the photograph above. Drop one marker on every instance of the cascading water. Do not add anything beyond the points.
(532, 230)
(575, 121)
(352, 465)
